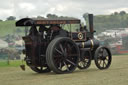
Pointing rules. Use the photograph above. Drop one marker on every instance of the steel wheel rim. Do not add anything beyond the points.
(103, 58)
(66, 60)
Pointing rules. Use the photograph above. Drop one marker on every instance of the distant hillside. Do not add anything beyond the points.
(101, 23)
(7, 27)
(113, 21)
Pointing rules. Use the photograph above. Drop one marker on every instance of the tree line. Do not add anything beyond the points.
(101, 22)
(115, 20)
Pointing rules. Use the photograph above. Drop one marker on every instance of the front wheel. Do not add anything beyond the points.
(103, 58)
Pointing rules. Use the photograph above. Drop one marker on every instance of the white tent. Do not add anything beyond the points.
(3, 44)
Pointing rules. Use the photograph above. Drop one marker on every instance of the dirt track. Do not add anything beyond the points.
(117, 74)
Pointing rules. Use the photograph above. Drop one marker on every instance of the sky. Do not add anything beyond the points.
(72, 8)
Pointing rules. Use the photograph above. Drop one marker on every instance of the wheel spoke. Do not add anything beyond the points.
(66, 66)
(99, 55)
(86, 60)
(61, 48)
(105, 63)
(100, 61)
(106, 59)
(41, 68)
(60, 66)
(71, 62)
(84, 63)
(58, 51)
(102, 52)
(65, 50)
(72, 55)
(81, 64)
(106, 53)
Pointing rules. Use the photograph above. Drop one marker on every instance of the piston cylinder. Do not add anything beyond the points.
(93, 44)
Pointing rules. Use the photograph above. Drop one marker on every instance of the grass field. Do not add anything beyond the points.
(12, 63)
(117, 74)
(6, 27)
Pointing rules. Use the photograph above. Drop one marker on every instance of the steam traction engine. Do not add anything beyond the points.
(50, 47)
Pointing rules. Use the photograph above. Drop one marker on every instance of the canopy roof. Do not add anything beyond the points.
(45, 21)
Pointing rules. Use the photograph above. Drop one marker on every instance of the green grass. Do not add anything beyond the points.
(120, 54)
(7, 27)
(3, 63)
(12, 63)
(117, 74)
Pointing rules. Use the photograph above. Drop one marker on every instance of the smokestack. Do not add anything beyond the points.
(90, 18)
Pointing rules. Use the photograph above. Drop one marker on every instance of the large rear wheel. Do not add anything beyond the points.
(62, 55)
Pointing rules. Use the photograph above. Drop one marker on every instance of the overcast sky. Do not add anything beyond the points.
(74, 8)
